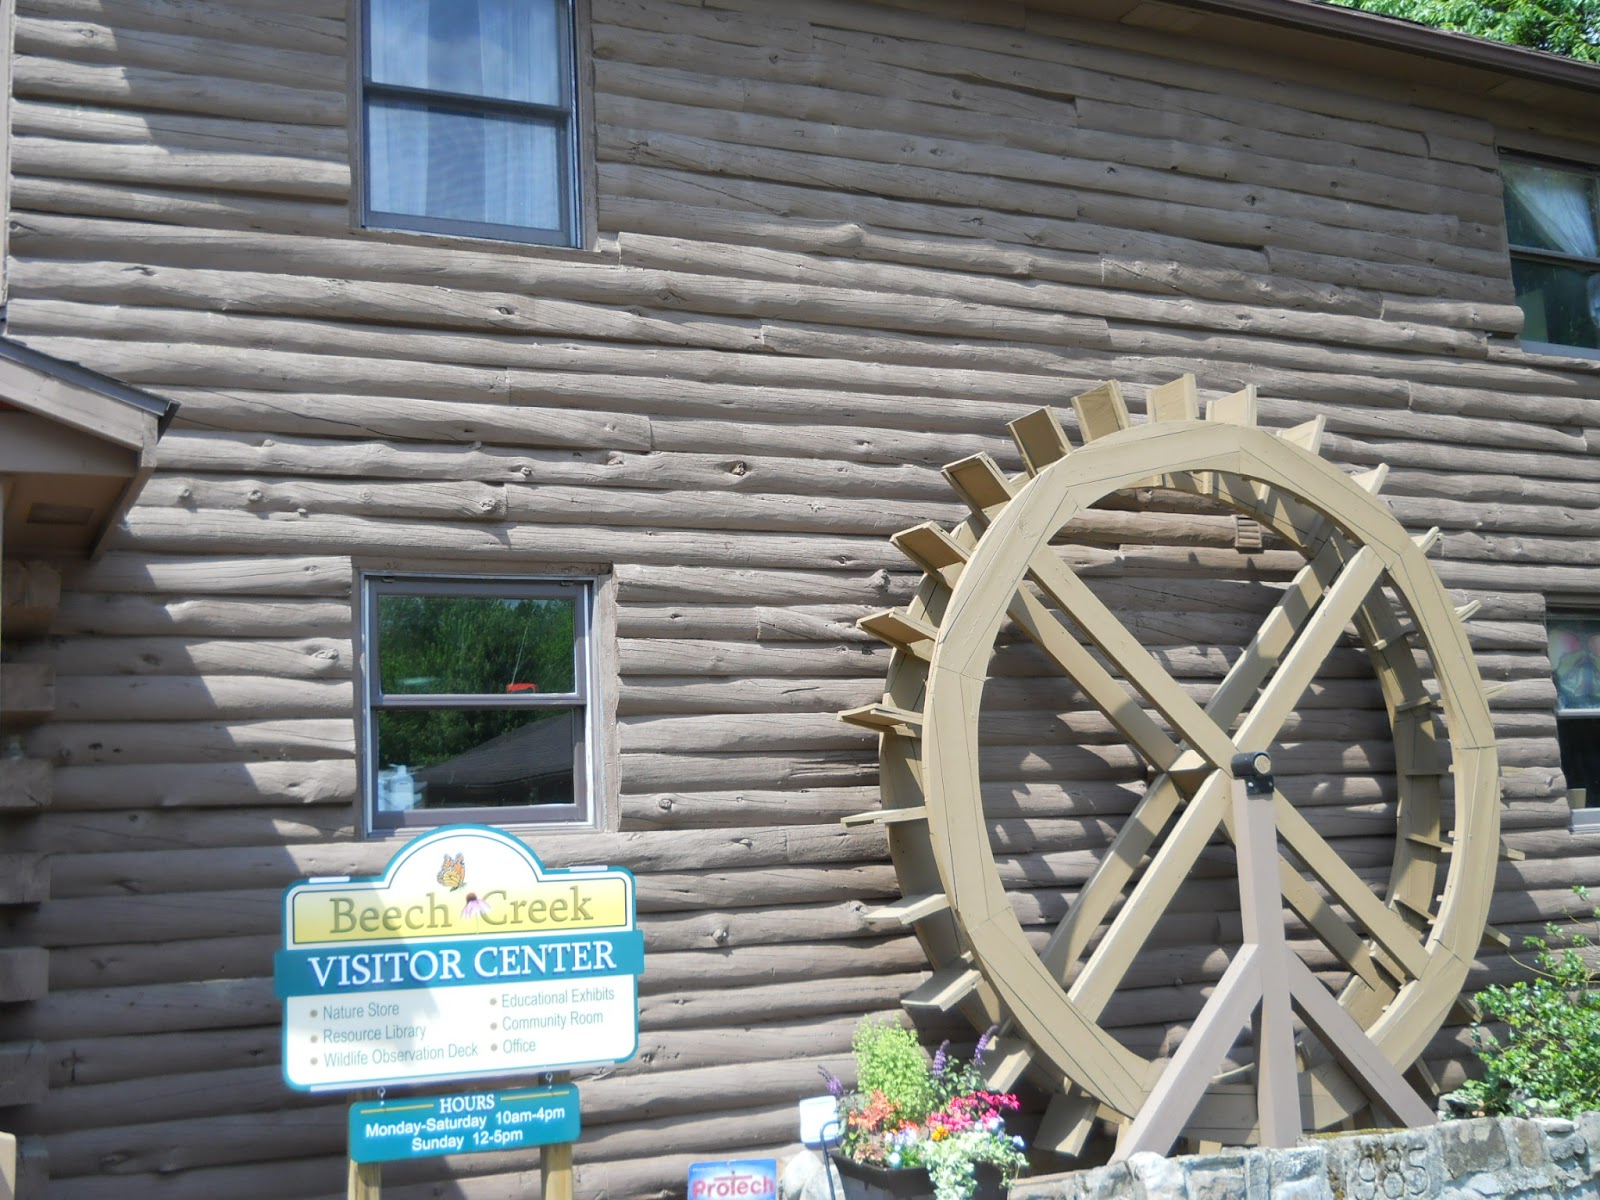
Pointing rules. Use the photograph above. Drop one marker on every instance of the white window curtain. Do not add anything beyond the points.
(1559, 204)
(490, 167)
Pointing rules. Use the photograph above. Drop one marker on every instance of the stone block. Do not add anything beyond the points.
(1158, 1177)
(1403, 1165)
(1467, 1147)
(1530, 1160)
(1217, 1177)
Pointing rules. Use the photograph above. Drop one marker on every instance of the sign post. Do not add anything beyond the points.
(467, 959)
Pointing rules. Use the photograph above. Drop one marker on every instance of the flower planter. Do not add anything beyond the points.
(862, 1182)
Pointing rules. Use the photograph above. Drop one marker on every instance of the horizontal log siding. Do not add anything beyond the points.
(840, 245)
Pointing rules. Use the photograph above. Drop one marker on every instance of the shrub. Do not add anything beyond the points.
(1548, 1064)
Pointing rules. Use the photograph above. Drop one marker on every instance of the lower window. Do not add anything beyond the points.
(1575, 662)
(477, 701)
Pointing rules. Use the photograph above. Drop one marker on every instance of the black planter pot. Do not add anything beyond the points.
(862, 1182)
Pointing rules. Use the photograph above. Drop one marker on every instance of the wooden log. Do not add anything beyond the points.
(174, 91)
(1144, 168)
(245, 575)
(289, 658)
(38, 119)
(1047, 126)
(1352, 330)
(179, 698)
(79, 40)
(723, 299)
(614, 507)
(310, 178)
(180, 206)
(97, 743)
(212, 531)
(176, 828)
(246, 453)
(114, 615)
(255, 913)
(772, 852)
(288, 25)
(187, 786)
(454, 501)
(641, 583)
(689, 694)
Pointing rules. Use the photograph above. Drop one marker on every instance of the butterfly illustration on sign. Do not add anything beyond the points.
(453, 874)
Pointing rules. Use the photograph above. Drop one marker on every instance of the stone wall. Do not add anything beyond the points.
(1490, 1158)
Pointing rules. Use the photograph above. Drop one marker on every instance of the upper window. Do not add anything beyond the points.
(1553, 224)
(478, 701)
(468, 118)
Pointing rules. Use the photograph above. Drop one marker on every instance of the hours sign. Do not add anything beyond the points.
(465, 959)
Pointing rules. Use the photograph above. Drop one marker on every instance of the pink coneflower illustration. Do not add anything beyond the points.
(475, 907)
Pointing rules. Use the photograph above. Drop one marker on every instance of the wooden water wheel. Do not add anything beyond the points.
(1407, 950)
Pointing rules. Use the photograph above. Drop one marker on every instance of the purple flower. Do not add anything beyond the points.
(940, 1059)
(835, 1084)
(985, 1044)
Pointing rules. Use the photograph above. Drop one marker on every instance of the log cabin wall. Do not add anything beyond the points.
(839, 245)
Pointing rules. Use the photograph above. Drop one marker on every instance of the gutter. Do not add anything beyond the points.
(1393, 33)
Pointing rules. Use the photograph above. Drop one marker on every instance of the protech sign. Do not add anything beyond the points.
(471, 1123)
(465, 959)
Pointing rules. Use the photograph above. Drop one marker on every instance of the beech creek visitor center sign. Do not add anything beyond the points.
(465, 959)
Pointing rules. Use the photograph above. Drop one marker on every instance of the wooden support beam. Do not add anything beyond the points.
(944, 989)
(24, 973)
(25, 784)
(30, 594)
(24, 878)
(27, 694)
(899, 628)
(909, 910)
(24, 1073)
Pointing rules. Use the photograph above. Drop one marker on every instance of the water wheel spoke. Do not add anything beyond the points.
(1150, 898)
(1331, 929)
(1104, 887)
(1386, 926)
(1098, 685)
(1299, 667)
(1113, 640)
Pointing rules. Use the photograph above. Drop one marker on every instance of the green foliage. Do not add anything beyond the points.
(1548, 1065)
(454, 645)
(1569, 27)
(889, 1059)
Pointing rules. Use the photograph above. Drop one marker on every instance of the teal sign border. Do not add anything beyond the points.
(466, 1123)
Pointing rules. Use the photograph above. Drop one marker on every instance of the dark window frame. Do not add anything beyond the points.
(566, 116)
(1543, 255)
(583, 591)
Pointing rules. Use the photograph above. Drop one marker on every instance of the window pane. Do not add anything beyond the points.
(507, 49)
(1575, 661)
(480, 167)
(1551, 209)
(476, 758)
(476, 645)
(1561, 304)
(1580, 756)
